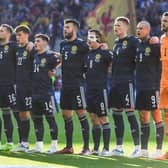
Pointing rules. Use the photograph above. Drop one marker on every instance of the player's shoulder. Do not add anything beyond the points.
(163, 37)
(133, 38)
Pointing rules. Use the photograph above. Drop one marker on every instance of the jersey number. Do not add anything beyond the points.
(48, 106)
(36, 67)
(28, 101)
(19, 61)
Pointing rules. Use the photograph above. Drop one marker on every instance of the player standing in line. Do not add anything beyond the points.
(73, 51)
(164, 76)
(148, 72)
(97, 63)
(7, 82)
(121, 96)
(44, 61)
(24, 68)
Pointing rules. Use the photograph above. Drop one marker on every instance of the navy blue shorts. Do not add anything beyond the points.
(97, 101)
(73, 98)
(42, 106)
(147, 99)
(122, 96)
(23, 98)
(7, 96)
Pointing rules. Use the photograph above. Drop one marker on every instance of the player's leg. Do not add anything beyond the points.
(129, 97)
(134, 126)
(37, 116)
(106, 135)
(24, 105)
(119, 131)
(66, 103)
(8, 98)
(8, 126)
(115, 102)
(159, 129)
(49, 115)
(96, 133)
(145, 132)
(68, 126)
(80, 105)
(85, 130)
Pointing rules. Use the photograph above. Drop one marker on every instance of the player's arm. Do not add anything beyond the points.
(154, 40)
(30, 46)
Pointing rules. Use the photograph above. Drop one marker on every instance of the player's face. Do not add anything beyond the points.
(142, 31)
(164, 24)
(4, 34)
(21, 37)
(68, 30)
(120, 28)
(40, 45)
(92, 40)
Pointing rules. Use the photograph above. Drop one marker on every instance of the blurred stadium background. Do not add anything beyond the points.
(47, 16)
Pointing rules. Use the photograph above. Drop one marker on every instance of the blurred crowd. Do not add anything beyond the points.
(46, 16)
(151, 10)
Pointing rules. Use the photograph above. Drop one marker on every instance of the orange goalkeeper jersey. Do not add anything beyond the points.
(164, 59)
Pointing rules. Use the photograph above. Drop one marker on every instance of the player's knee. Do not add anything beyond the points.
(103, 120)
(144, 117)
(81, 112)
(67, 114)
(157, 116)
(95, 120)
(24, 116)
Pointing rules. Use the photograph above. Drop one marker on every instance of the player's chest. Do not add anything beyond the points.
(70, 52)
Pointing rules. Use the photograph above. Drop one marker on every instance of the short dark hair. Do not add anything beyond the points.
(23, 28)
(8, 27)
(44, 37)
(74, 21)
(123, 19)
(99, 35)
(165, 14)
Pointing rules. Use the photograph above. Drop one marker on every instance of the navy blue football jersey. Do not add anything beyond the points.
(148, 66)
(123, 62)
(97, 64)
(73, 55)
(7, 63)
(24, 66)
(42, 64)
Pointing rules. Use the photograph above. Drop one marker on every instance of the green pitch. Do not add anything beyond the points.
(76, 161)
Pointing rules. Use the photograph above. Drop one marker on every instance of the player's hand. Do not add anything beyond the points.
(104, 46)
(51, 73)
(30, 46)
(154, 40)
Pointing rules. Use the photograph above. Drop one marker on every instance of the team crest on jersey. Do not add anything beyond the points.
(43, 62)
(25, 54)
(74, 49)
(124, 44)
(147, 51)
(6, 48)
(97, 58)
